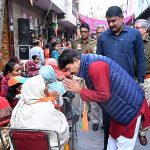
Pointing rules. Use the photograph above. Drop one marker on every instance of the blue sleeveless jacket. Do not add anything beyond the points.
(126, 95)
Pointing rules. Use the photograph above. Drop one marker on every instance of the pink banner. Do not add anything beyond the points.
(93, 23)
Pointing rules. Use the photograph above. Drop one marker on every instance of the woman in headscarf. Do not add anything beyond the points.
(49, 76)
(36, 110)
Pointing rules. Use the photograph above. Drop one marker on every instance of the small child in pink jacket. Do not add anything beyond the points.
(32, 67)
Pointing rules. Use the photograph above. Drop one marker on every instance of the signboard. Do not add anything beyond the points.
(24, 52)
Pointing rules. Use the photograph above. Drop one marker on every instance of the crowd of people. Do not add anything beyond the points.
(115, 66)
(34, 90)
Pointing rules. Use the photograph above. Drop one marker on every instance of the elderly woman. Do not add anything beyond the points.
(32, 111)
(49, 76)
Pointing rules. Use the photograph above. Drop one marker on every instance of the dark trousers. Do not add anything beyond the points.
(106, 123)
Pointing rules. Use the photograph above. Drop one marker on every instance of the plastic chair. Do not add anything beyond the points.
(30, 139)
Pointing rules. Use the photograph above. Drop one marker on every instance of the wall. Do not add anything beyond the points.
(69, 15)
(23, 9)
(61, 4)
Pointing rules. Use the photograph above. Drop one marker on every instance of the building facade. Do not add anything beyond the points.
(23, 18)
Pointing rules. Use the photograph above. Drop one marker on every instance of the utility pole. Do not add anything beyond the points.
(2, 4)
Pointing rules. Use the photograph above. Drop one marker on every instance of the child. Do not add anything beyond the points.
(32, 67)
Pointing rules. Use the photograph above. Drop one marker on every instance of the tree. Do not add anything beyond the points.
(2, 4)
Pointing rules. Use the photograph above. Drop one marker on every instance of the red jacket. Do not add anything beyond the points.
(31, 68)
(99, 74)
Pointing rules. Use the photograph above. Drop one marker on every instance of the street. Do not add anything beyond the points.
(94, 140)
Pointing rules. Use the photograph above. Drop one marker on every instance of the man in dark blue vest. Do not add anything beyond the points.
(114, 91)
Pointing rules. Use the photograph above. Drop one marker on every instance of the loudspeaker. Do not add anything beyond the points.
(23, 31)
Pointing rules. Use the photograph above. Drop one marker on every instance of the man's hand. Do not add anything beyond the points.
(71, 85)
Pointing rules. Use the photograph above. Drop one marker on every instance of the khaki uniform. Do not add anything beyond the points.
(147, 77)
(146, 42)
(85, 48)
(147, 54)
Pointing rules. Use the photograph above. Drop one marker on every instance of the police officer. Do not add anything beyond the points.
(85, 44)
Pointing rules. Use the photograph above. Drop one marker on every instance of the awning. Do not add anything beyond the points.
(93, 23)
(46, 4)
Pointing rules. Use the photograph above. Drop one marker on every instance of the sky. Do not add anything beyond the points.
(97, 8)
